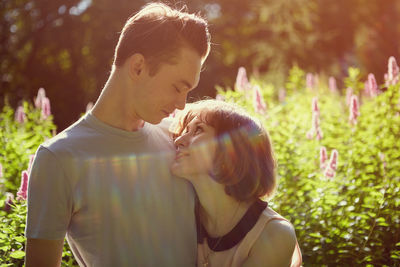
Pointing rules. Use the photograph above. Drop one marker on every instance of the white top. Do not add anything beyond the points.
(111, 193)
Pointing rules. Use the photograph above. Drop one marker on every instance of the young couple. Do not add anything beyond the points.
(105, 183)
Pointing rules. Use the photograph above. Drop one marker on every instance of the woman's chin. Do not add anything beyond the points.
(176, 169)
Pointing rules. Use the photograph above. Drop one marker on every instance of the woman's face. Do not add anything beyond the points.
(195, 150)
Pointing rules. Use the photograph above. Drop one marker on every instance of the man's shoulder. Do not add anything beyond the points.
(72, 136)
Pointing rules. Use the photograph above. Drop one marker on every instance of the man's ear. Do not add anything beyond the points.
(136, 65)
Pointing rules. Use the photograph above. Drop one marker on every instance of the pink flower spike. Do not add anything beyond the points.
(45, 108)
(322, 157)
(349, 93)
(314, 105)
(1, 171)
(333, 162)
(20, 115)
(39, 98)
(310, 134)
(372, 85)
(316, 81)
(89, 107)
(319, 134)
(329, 173)
(258, 100)
(23, 190)
(393, 71)
(310, 81)
(220, 97)
(354, 110)
(8, 202)
(282, 95)
(332, 84)
(315, 121)
(31, 159)
(242, 83)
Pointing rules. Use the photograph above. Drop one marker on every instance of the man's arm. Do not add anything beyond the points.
(274, 247)
(43, 253)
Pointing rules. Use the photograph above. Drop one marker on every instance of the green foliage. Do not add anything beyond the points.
(351, 219)
(18, 141)
(354, 80)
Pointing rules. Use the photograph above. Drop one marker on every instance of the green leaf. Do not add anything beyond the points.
(17, 254)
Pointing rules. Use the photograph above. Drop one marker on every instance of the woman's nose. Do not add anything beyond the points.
(180, 141)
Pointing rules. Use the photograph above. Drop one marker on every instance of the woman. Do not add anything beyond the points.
(228, 158)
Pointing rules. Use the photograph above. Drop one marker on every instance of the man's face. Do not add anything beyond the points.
(159, 95)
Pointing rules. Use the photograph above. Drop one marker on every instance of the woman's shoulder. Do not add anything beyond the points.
(276, 242)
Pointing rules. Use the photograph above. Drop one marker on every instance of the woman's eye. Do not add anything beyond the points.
(198, 129)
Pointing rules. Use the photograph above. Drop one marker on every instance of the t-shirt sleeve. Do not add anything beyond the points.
(49, 198)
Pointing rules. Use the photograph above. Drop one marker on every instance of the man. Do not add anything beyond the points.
(104, 182)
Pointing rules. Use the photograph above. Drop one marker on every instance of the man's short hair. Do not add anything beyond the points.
(158, 32)
(244, 161)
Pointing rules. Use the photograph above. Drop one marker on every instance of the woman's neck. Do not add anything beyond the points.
(219, 213)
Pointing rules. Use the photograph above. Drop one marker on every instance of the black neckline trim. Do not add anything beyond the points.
(232, 238)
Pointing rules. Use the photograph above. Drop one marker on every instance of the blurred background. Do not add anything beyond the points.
(66, 46)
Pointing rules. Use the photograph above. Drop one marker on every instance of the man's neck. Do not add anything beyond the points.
(111, 106)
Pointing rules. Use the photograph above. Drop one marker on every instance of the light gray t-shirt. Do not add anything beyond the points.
(111, 192)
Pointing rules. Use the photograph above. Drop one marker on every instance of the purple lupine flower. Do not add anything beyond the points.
(333, 162)
(23, 189)
(318, 134)
(329, 173)
(315, 128)
(46, 111)
(354, 110)
(258, 100)
(89, 107)
(332, 84)
(20, 115)
(323, 157)
(393, 71)
(331, 168)
(349, 93)
(314, 105)
(366, 89)
(310, 81)
(282, 95)
(220, 97)
(31, 159)
(315, 120)
(316, 81)
(39, 98)
(242, 83)
(372, 85)
(310, 134)
(386, 78)
(9, 201)
(382, 158)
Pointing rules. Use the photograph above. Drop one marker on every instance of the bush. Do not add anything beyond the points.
(22, 133)
(344, 209)
(345, 213)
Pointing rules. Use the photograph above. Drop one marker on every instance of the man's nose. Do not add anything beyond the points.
(181, 102)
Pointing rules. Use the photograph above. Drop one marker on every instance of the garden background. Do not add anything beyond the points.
(316, 73)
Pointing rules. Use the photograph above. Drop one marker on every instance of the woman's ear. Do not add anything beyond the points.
(136, 65)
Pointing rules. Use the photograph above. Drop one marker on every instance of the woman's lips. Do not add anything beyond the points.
(180, 155)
